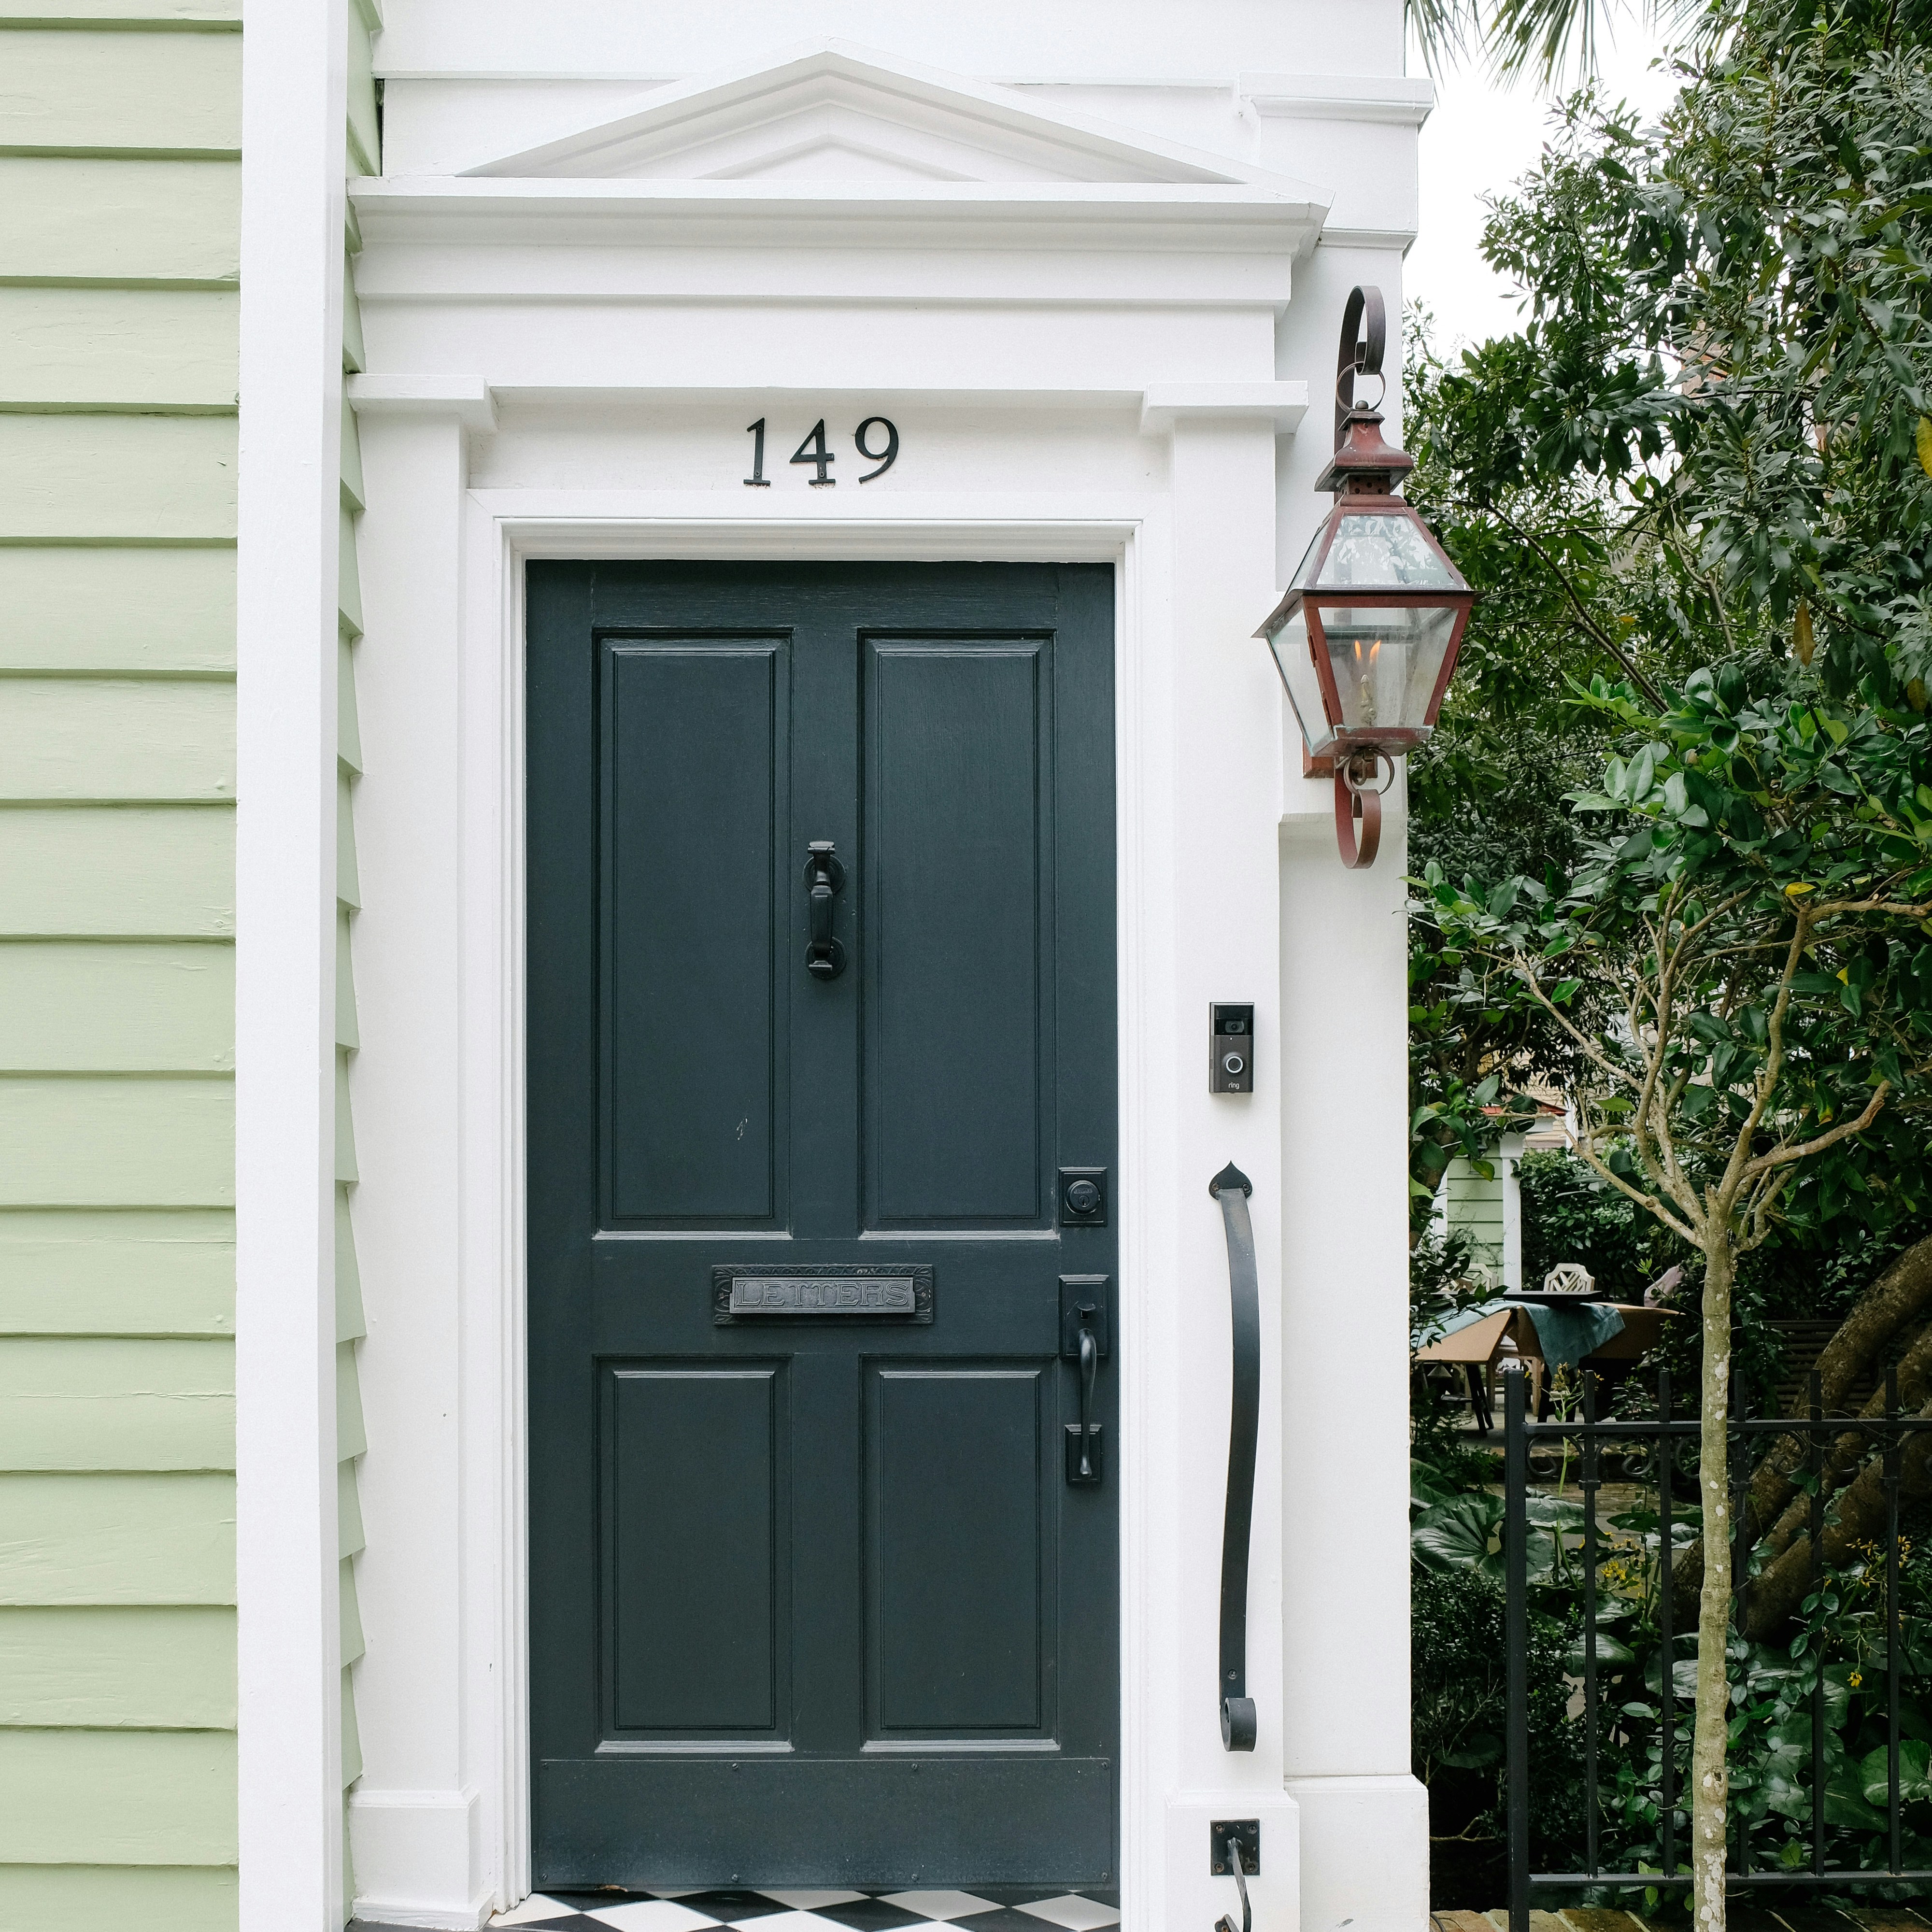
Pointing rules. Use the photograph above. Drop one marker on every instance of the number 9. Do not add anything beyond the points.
(884, 458)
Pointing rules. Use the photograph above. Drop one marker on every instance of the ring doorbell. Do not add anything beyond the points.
(1231, 1049)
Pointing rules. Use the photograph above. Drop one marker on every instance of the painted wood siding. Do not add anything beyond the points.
(364, 154)
(1473, 1205)
(119, 194)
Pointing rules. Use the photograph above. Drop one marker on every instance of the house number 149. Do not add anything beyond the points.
(814, 452)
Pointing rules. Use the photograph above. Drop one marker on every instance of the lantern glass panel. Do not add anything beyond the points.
(1304, 571)
(1297, 665)
(1386, 660)
(1382, 550)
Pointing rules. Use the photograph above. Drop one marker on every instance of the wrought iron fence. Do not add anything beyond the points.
(1646, 1744)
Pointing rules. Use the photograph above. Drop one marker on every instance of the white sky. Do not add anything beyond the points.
(1480, 138)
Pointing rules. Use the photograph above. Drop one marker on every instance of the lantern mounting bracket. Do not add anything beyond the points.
(1364, 340)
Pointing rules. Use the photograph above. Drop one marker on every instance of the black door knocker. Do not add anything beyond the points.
(824, 957)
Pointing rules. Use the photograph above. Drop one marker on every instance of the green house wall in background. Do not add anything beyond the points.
(120, 129)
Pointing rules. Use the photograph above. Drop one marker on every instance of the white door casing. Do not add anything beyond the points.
(1083, 363)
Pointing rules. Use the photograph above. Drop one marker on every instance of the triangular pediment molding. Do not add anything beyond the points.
(838, 116)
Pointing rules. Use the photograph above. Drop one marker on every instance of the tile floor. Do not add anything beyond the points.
(676, 1910)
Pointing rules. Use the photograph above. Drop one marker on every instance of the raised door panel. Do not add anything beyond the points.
(957, 787)
(691, 796)
(695, 1616)
(960, 1631)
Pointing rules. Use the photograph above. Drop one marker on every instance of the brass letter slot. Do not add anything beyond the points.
(741, 1294)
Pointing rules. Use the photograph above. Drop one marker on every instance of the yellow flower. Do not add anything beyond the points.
(1855, 1678)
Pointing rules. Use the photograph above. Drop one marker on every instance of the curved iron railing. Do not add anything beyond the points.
(1231, 1187)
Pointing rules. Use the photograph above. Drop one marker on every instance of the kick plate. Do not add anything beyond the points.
(884, 1294)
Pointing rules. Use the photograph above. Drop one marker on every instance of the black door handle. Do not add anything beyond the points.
(824, 957)
(1083, 1339)
(1089, 1364)
(1231, 1187)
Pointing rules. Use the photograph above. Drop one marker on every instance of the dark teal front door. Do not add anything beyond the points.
(822, 1154)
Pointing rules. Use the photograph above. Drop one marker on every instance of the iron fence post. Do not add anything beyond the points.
(1586, 1484)
(1667, 1585)
(1896, 1848)
(1515, 1642)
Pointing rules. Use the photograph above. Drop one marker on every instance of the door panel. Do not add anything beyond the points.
(693, 786)
(963, 1644)
(812, 1603)
(694, 1615)
(959, 759)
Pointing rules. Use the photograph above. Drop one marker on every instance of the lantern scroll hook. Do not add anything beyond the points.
(1364, 338)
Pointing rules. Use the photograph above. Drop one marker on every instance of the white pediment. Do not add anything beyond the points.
(837, 115)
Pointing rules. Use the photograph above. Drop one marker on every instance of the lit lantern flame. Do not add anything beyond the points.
(1365, 678)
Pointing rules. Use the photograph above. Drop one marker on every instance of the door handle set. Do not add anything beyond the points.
(824, 879)
(1084, 1338)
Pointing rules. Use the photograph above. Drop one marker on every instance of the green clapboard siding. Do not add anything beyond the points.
(348, 1321)
(352, 1440)
(216, 16)
(365, 145)
(348, 728)
(116, 348)
(75, 92)
(117, 1539)
(93, 1402)
(346, 1171)
(349, 1538)
(103, 1140)
(119, 206)
(347, 1033)
(101, 1007)
(122, 1798)
(88, 1898)
(117, 1271)
(161, 872)
(166, 222)
(105, 1667)
(348, 877)
(352, 491)
(118, 479)
(147, 612)
(353, 1643)
(116, 740)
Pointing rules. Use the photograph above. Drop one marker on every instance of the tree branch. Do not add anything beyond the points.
(1606, 643)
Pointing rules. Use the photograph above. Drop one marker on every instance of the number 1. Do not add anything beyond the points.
(813, 450)
(758, 480)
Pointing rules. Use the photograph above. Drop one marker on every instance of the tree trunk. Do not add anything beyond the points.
(1709, 1774)
(1846, 1451)
(1900, 1296)
(1857, 1517)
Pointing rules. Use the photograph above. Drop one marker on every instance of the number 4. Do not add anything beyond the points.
(813, 450)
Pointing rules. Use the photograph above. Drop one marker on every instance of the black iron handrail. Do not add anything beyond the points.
(1664, 1431)
(1231, 1188)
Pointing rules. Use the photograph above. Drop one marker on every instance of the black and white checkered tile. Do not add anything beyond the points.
(690, 1910)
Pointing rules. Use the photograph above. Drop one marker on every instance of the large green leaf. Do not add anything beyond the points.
(1874, 1773)
(1456, 1534)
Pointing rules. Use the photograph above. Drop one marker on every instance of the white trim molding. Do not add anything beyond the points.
(288, 1687)
(1394, 100)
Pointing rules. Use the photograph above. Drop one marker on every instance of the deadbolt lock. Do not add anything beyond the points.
(1083, 1197)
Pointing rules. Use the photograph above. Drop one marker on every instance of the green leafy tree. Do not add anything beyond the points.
(1702, 467)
